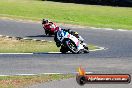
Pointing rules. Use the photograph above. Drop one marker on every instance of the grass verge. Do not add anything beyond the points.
(12, 45)
(89, 15)
(23, 81)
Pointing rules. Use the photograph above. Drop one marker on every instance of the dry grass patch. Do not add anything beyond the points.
(22, 81)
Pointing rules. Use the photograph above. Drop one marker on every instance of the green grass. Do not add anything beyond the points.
(88, 15)
(10, 45)
(23, 81)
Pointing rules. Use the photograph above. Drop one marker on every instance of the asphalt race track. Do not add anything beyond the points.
(117, 58)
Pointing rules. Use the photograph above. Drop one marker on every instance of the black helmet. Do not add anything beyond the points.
(44, 21)
(69, 30)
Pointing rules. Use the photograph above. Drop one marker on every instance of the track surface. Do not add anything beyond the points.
(116, 59)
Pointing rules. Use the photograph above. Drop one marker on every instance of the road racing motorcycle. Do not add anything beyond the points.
(70, 43)
(49, 31)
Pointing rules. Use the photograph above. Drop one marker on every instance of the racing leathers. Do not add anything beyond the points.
(49, 26)
(58, 44)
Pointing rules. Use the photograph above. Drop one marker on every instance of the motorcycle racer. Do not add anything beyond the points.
(73, 45)
(48, 25)
(70, 32)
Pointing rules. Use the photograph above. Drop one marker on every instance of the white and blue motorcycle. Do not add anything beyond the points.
(70, 43)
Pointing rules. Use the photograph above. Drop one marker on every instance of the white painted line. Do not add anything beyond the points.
(25, 74)
(34, 39)
(53, 73)
(94, 28)
(100, 48)
(122, 30)
(28, 53)
(15, 53)
(4, 75)
(37, 40)
(25, 38)
(7, 36)
(54, 52)
(77, 72)
(43, 40)
(89, 72)
(109, 29)
(66, 73)
(1, 35)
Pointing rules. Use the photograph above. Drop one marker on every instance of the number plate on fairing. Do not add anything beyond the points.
(61, 35)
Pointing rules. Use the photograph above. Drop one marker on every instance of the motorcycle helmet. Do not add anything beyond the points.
(76, 33)
(44, 21)
(69, 30)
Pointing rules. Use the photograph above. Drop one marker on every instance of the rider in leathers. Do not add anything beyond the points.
(48, 25)
(58, 44)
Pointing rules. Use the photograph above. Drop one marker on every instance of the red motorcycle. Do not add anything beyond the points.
(49, 29)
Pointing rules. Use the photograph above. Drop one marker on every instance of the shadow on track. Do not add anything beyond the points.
(56, 53)
(33, 36)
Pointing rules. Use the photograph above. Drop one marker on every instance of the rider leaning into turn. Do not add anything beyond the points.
(70, 32)
(48, 24)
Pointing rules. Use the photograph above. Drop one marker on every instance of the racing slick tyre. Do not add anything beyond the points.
(63, 49)
(71, 46)
(50, 34)
(46, 32)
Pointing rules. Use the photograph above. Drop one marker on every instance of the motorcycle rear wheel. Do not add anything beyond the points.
(46, 32)
(63, 49)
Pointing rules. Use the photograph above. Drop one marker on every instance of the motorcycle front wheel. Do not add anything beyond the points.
(71, 46)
